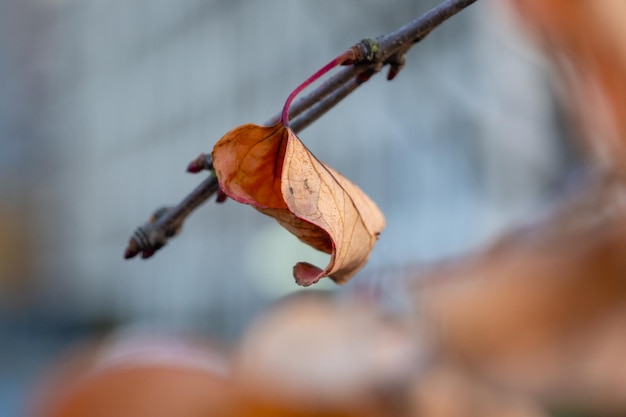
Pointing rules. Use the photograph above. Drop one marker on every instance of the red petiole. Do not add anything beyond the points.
(340, 60)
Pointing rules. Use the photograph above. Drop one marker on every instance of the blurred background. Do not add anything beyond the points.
(103, 104)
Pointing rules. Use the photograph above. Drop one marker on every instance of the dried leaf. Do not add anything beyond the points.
(587, 43)
(543, 309)
(354, 356)
(271, 169)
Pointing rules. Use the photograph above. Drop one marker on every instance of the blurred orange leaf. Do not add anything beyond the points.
(271, 169)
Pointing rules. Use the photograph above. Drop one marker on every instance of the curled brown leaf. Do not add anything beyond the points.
(271, 169)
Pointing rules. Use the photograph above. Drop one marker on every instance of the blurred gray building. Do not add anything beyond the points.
(105, 102)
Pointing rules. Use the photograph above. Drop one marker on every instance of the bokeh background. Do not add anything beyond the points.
(103, 103)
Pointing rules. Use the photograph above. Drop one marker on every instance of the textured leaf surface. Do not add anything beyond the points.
(271, 169)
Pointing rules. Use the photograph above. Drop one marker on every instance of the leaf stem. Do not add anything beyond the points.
(344, 57)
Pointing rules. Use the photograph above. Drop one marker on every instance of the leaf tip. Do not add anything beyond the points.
(307, 274)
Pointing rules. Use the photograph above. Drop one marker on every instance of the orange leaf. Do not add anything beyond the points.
(271, 169)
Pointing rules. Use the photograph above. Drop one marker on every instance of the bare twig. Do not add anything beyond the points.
(389, 50)
(371, 56)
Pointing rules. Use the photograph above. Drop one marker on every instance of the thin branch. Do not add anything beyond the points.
(167, 222)
(325, 88)
(318, 109)
(413, 32)
(371, 56)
